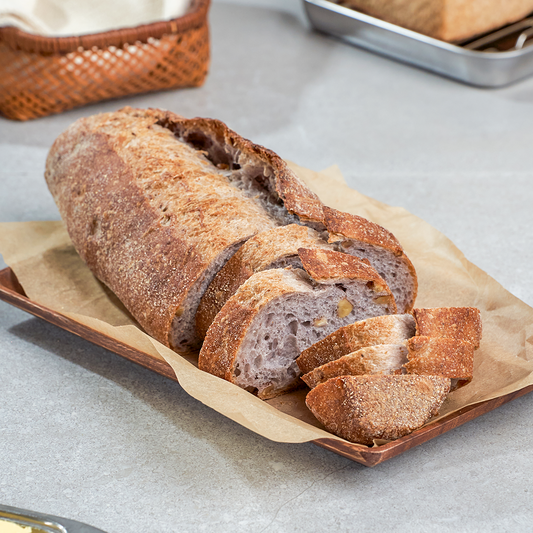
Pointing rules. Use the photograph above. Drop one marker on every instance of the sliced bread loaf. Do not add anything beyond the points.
(256, 337)
(391, 329)
(364, 408)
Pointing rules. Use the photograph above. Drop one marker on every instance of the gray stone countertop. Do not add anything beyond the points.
(90, 436)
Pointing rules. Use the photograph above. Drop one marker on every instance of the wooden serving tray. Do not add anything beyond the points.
(12, 292)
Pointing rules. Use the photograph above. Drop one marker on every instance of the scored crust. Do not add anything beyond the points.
(463, 323)
(275, 177)
(380, 359)
(364, 408)
(275, 248)
(387, 329)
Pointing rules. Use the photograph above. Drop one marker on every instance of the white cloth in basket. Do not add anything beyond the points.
(61, 18)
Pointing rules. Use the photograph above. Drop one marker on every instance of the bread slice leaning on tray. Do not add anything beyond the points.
(365, 408)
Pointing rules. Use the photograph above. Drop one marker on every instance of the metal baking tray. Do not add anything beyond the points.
(496, 59)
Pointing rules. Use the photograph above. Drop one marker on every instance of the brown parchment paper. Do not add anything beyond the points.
(52, 274)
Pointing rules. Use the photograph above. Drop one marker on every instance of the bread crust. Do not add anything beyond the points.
(438, 356)
(269, 249)
(345, 225)
(387, 329)
(380, 359)
(462, 323)
(449, 20)
(347, 230)
(364, 408)
(327, 266)
(150, 215)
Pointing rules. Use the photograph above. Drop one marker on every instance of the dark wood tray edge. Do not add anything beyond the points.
(12, 293)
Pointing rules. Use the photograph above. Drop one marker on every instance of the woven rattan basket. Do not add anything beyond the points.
(44, 75)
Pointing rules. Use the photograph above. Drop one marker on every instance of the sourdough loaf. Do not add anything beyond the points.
(156, 204)
(256, 337)
(380, 359)
(388, 329)
(364, 408)
(449, 20)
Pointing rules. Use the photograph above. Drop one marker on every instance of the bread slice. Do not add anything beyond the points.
(380, 359)
(438, 356)
(449, 20)
(391, 329)
(462, 323)
(156, 204)
(275, 248)
(255, 339)
(357, 236)
(364, 408)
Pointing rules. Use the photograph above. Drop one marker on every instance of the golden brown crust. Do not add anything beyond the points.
(462, 323)
(327, 266)
(363, 408)
(438, 356)
(388, 329)
(449, 20)
(346, 225)
(263, 251)
(381, 359)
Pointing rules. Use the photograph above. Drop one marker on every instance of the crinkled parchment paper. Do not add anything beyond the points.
(52, 274)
